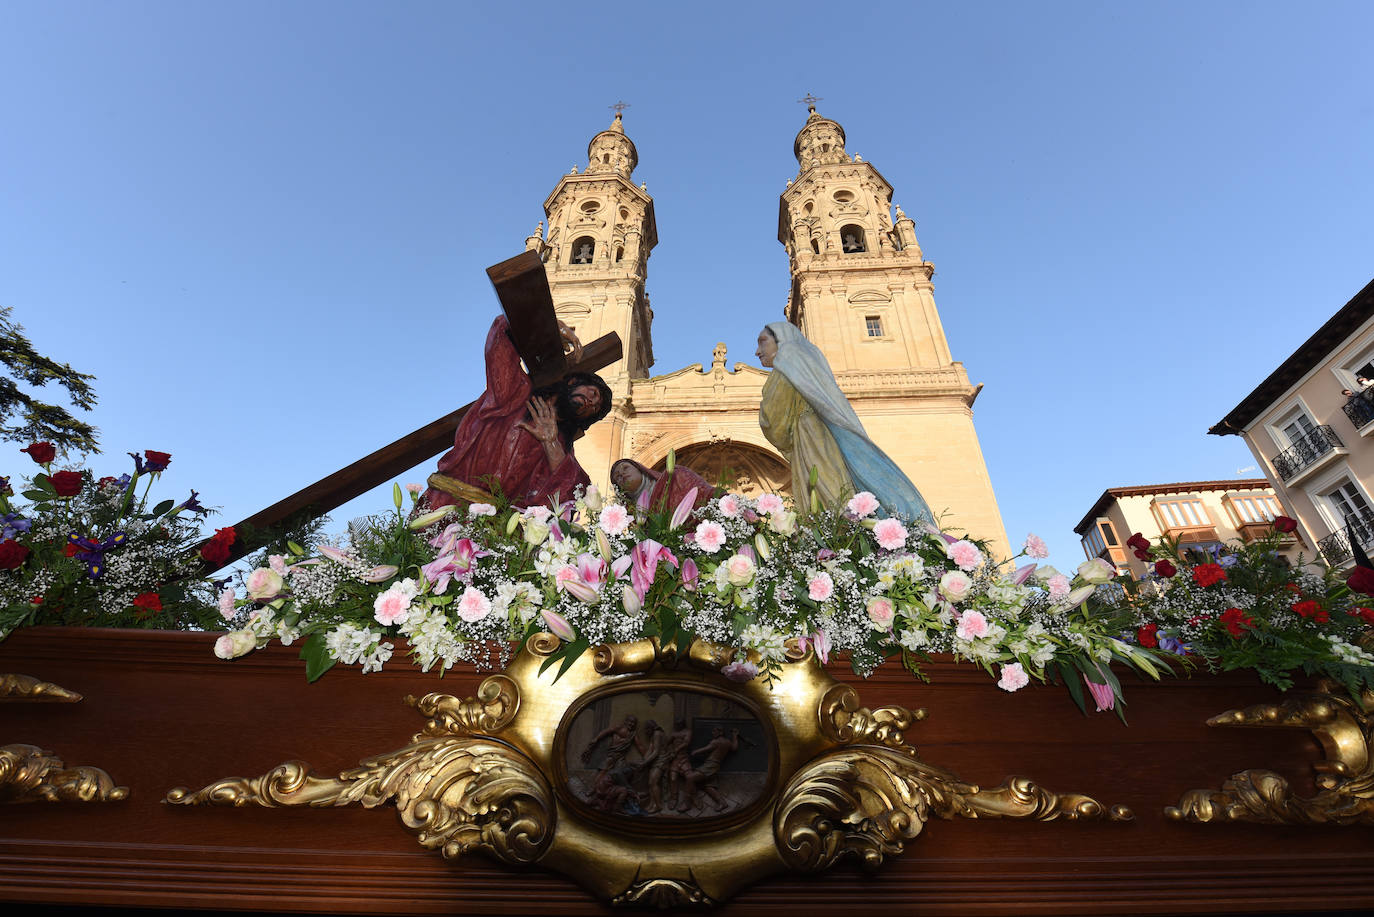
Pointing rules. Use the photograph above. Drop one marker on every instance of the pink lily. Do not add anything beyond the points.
(555, 532)
(690, 575)
(949, 539)
(683, 509)
(591, 569)
(558, 625)
(335, 554)
(646, 556)
(1103, 695)
(820, 642)
(381, 573)
(1022, 574)
(620, 565)
(643, 501)
(748, 551)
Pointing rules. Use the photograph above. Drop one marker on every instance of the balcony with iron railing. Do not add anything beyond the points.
(1359, 528)
(1360, 408)
(1306, 452)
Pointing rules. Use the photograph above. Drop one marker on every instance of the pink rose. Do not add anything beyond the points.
(955, 585)
(972, 625)
(739, 570)
(862, 504)
(890, 533)
(770, 503)
(729, 506)
(1035, 547)
(264, 584)
(1014, 678)
(881, 612)
(234, 644)
(710, 536)
(473, 606)
(821, 587)
(965, 554)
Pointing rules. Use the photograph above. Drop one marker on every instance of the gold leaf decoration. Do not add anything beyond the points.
(843, 720)
(456, 794)
(16, 687)
(664, 893)
(30, 774)
(495, 705)
(1345, 780)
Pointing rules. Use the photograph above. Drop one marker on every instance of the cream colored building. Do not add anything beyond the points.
(1315, 444)
(1199, 514)
(859, 288)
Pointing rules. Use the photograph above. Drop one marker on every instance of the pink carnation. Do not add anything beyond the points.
(1058, 585)
(972, 625)
(890, 533)
(1014, 678)
(862, 504)
(391, 607)
(965, 554)
(729, 506)
(615, 519)
(226, 604)
(770, 503)
(710, 537)
(740, 671)
(821, 587)
(473, 606)
(1036, 548)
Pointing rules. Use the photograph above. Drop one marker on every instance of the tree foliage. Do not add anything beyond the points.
(24, 418)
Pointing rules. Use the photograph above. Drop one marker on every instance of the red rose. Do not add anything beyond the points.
(1285, 524)
(1141, 555)
(66, 483)
(216, 549)
(1165, 569)
(147, 603)
(157, 461)
(1145, 636)
(12, 555)
(70, 550)
(1208, 574)
(1361, 579)
(42, 453)
(1139, 542)
(1236, 622)
(1367, 614)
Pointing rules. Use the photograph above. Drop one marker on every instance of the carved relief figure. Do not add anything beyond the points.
(806, 416)
(522, 437)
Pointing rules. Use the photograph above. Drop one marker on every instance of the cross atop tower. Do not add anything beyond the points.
(618, 107)
(810, 101)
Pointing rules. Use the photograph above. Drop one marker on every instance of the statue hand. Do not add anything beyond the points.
(574, 346)
(543, 424)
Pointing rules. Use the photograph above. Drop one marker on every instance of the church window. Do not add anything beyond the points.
(815, 245)
(874, 325)
(606, 158)
(852, 239)
(619, 253)
(808, 207)
(843, 196)
(591, 206)
(825, 148)
(583, 250)
(624, 214)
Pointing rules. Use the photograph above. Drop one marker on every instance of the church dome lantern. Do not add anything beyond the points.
(612, 151)
(819, 141)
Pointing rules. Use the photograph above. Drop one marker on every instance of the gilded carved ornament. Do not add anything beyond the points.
(651, 779)
(1345, 780)
(32, 774)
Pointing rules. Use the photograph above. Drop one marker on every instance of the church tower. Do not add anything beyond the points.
(861, 291)
(600, 233)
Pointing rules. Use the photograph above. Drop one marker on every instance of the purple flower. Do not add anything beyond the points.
(138, 463)
(12, 526)
(192, 504)
(1177, 647)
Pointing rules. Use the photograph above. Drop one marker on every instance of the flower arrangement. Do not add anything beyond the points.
(90, 551)
(463, 584)
(1243, 607)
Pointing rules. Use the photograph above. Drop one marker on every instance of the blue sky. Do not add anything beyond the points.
(263, 226)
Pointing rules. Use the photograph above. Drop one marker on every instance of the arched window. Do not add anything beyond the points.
(583, 249)
(606, 158)
(815, 245)
(852, 239)
(619, 253)
(809, 207)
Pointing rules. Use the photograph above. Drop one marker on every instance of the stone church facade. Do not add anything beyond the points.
(860, 290)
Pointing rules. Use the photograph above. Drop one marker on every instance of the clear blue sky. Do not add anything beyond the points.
(263, 226)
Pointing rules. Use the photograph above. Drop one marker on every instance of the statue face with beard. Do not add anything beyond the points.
(579, 400)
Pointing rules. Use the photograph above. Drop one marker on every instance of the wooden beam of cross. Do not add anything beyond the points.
(523, 289)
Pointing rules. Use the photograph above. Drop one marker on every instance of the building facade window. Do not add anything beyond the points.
(873, 324)
(583, 250)
(1250, 509)
(1182, 513)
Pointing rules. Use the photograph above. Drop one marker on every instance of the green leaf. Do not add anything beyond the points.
(163, 507)
(38, 496)
(574, 651)
(316, 655)
(41, 480)
(1070, 676)
(295, 549)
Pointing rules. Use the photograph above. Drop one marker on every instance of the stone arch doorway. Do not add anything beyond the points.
(740, 467)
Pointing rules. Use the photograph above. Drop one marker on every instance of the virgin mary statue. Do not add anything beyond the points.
(806, 416)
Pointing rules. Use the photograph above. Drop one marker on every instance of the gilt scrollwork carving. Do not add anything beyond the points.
(455, 794)
(492, 709)
(17, 687)
(31, 774)
(843, 719)
(1345, 780)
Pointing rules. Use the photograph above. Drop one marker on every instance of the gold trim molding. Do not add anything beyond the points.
(30, 774)
(1345, 779)
(539, 769)
(25, 688)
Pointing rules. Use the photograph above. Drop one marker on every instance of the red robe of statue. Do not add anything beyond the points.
(490, 442)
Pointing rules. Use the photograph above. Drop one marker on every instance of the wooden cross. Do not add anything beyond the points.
(523, 289)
